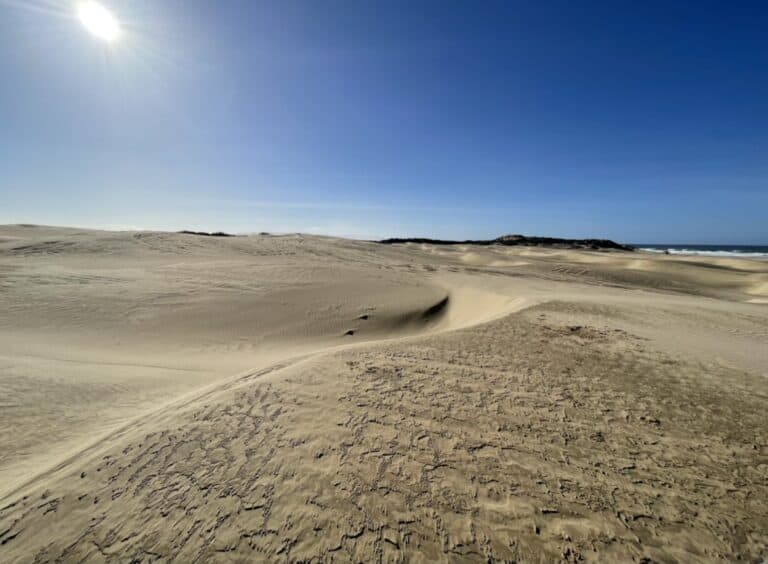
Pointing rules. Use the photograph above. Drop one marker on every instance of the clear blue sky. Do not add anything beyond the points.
(639, 121)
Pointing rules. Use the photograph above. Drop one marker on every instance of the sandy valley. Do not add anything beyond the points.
(173, 397)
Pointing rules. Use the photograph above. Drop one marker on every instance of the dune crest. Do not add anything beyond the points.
(183, 397)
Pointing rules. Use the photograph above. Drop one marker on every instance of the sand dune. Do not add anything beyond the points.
(173, 397)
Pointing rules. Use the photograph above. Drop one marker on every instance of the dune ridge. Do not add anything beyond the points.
(185, 398)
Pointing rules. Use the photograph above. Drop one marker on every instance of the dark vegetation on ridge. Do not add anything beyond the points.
(206, 234)
(522, 240)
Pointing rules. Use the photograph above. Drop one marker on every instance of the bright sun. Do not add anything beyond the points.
(98, 20)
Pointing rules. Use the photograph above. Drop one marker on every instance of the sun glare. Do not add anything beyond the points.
(98, 20)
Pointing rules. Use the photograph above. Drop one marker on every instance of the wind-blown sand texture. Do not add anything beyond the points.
(172, 397)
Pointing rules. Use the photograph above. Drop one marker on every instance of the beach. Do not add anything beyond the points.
(180, 397)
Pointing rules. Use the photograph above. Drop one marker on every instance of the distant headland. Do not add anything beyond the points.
(523, 240)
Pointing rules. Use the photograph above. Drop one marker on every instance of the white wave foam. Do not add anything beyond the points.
(705, 253)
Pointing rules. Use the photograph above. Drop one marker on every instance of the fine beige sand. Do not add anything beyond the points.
(169, 397)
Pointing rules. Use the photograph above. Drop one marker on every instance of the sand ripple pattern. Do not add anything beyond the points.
(519, 440)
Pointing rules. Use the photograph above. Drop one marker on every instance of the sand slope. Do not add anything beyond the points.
(173, 397)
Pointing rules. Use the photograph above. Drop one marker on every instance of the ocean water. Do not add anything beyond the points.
(746, 251)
